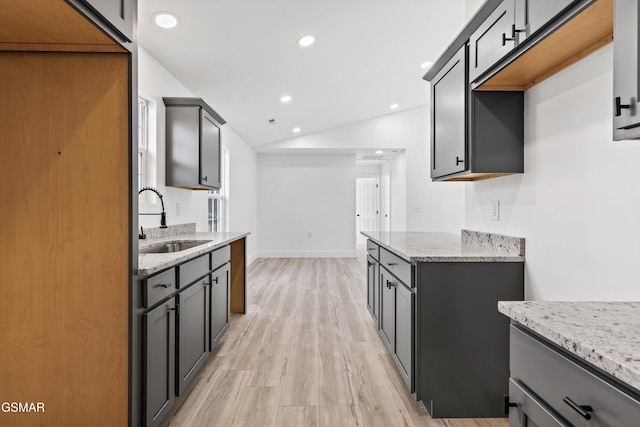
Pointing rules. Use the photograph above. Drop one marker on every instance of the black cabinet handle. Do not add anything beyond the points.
(506, 39)
(393, 284)
(515, 31)
(620, 106)
(163, 285)
(459, 160)
(391, 264)
(214, 280)
(508, 404)
(583, 410)
(204, 178)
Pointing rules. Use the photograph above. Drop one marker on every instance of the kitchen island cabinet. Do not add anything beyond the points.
(573, 363)
(438, 319)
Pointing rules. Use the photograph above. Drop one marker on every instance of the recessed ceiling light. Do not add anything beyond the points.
(305, 41)
(285, 98)
(379, 151)
(426, 65)
(295, 130)
(165, 20)
(393, 106)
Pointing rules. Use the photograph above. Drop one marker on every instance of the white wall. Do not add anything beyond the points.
(306, 205)
(155, 82)
(420, 205)
(577, 204)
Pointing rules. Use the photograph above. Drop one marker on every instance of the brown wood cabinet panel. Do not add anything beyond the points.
(237, 297)
(46, 25)
(64, 269)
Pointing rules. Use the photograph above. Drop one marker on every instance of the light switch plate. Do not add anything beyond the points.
(495, 210)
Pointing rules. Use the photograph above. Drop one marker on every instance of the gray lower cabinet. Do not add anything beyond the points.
(373, 289)
(462, 355)
(192, 331)
(397, 323)
(185, 311)
(626, 71)
(551, 387)
(219, 305)
(158, 331)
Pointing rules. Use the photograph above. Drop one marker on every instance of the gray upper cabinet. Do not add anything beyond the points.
(626, 117)
(493, 39)
(533, 15)
(449, 116)
(474, 135)
(118, 15)
(193, 144)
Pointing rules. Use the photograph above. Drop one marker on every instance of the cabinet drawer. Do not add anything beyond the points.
(193, 270)
(373, 250)
(220, 257)
(400, 268)
(559, 382)
(158, 287)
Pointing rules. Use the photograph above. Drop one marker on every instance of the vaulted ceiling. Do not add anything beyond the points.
(242, 56)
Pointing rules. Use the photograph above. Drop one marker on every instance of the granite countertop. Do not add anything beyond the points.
(604, 334)
(469, 246)
(152, 263)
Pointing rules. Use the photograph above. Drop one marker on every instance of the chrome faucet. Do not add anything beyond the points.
(163, 214)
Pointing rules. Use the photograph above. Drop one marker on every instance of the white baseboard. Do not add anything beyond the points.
(251, 258)
(307, 254)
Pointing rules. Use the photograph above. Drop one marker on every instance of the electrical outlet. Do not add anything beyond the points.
(495, 210)
(178, 209)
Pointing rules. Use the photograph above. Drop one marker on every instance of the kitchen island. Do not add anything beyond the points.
(433, 298)
(572, 362)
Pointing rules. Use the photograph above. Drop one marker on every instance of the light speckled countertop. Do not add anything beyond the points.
(152, 263)
(470, 246)
(604, 334)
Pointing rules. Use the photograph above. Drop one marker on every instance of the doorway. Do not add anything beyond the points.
(367, 206)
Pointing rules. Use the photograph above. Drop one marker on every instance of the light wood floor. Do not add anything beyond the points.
(307, 353)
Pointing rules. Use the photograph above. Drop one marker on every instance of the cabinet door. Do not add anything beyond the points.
(405, 310)
(625, 70)
(209, 152)
(387, 310)
(192, 331)
(118, 14)
(158, 355)
(449, 94)
(372, 287)
(532, 15)
(492, 40)
(219, 304)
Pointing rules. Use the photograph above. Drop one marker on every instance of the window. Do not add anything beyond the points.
(143, 140)
(218, 198)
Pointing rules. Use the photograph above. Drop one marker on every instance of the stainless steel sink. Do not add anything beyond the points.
(168, 247)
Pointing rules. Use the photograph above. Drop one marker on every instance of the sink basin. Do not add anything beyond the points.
(168, 247)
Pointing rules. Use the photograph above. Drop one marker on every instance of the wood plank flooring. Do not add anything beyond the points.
(307, 353)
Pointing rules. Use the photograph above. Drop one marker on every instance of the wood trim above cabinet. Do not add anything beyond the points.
(588, 31)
